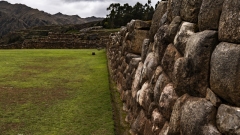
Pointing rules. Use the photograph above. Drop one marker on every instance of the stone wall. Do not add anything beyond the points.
(182, 77)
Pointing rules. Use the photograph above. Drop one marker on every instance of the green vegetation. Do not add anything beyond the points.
(120, 15)
(54, 92)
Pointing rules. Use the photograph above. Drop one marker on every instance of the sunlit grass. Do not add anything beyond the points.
(54, 92)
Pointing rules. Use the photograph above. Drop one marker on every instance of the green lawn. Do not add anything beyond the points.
(54, 92)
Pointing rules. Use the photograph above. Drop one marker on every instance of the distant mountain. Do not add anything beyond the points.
(18, 16)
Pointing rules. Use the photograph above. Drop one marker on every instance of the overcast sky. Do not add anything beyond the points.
(83, 8)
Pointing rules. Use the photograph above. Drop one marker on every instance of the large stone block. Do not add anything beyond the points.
(193, 116)
(149, 66)
(137, 80)
(174, 124)
(162, 81)
(228, 120)
(139, 124)
(159, 12)
(186, 30)
(136, 38)
(190, 10)
(142, 25)
(160, 41)
(173, 28)
(170, 56)
(173, 9)
(167, 100)
(144, 96)
(145, 47)
(209, 16)
(225, 73)
(158, 121)
(198, 53)
(229, 25)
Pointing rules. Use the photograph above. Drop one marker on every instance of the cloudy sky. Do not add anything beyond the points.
(83, 8)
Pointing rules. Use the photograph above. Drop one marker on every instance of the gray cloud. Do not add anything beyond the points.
(83, 8)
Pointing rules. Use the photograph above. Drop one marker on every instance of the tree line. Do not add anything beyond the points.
(119, 15)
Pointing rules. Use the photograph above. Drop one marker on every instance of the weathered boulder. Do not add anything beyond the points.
(170, 56)
(167, 100)
(155, 76)
(137, 80)
(159, 12)
(148, 128)
(225, 73)
(160, 42)
(173, 28)
(213, 98)
(229, 24)
(158, 121)
(139, 124)
(162, 81)
(198, 53)
(131, 26)
(145, 46)
(144, 96)
(136, 37)
(228, 120)
(186, 30)
(190, 10)
(142, 25)
(209, 16)
(197, 114)
(174, 124)
(173, 9)
(181, 73)
(165, 129)
(149, 66)
(130, 56)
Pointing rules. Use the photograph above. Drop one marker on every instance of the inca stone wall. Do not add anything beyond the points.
(182, 76)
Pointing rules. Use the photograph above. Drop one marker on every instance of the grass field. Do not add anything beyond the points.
(54, 92)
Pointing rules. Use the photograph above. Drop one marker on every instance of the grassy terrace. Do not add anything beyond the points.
(54, 92)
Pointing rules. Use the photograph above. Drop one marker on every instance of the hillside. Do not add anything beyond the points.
(18, 16)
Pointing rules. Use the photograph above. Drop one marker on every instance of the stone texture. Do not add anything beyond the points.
(136, 37)
(137, 80)
(149, 66)
(162, 81)
(131, 26)
(225, 73)
(181, 76)
(229, 25)
(142, 25)
(213, 98)
(186, 30)
(209, 16)
(165, 129)
(155, 76)
(160, 42)
(173, 9)
(159, 12)
(173, 28)
(143, 96)
(129, 57)
(198, 53)
(148, 128)
(170, 56)
(190, 10)
(158, 121)
(174, 124)
(167, 100)
(139, 124)
(228, 120)
(145, 47)
(197, 113)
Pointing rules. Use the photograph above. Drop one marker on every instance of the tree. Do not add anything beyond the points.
(120, 15)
